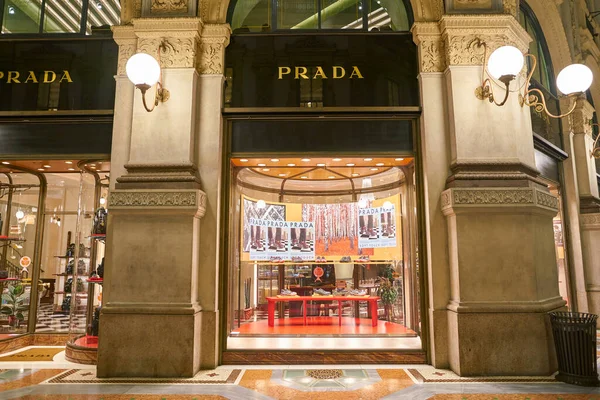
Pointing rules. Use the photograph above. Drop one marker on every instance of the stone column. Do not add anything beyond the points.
(435, 159)
(502, 262)
(151, 323)
(589, 218)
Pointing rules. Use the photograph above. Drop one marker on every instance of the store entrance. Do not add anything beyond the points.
(323, 253)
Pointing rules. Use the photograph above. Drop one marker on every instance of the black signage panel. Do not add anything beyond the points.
(324, 70)
(46, 75)
(322, 135)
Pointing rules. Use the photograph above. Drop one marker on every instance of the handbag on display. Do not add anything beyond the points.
(95, 322)
(71, 250)
(100, 217)
(3, 274)
(100, 270)
(69, 285)
(70, 266)
(66, 304)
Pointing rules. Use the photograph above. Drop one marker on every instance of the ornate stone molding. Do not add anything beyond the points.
(130, 9)
(215, 37)
(588, 221)
(432, 52)
(581, 117)
(179, 8)
(461, 33)
(490, 197)
(511, 7)
(158, 199)
(125, 37)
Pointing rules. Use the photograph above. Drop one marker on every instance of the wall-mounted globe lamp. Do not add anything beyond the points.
(506, 62)
(144, 71)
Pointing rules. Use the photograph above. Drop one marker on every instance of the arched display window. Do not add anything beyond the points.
(247, 16)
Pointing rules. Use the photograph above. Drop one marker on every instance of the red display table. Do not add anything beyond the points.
(372, 300)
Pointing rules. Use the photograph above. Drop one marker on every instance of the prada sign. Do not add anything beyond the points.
(336, 72)
(33, 77)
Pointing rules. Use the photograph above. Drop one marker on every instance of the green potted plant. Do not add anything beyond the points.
(13, 305)
(388, 294)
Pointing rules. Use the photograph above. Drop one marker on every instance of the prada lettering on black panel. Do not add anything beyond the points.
(321, 71)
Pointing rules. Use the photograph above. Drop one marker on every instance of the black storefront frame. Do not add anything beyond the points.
(411, 114)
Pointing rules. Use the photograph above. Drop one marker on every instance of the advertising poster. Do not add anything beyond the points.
(281, 239)
(376, 227)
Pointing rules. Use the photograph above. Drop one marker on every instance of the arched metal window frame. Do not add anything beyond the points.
(276, 30)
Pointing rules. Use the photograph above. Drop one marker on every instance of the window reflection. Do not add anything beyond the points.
(59, 16)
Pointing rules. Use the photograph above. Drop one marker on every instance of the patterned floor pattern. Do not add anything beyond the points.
(347, 382)
(51, 322)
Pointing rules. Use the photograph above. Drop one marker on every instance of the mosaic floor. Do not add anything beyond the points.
(59, 379)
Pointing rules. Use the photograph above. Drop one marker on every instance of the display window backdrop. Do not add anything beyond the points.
(329, 230)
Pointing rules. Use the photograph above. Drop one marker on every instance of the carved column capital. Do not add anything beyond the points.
(582, 117)
(124, 36)
(461, 32)
(432, 53)
(211, 53)
(170, 8)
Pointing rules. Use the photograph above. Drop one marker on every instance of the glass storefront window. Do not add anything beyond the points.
(372, 15)
(322, 248)
(59, 16)
(21, 16)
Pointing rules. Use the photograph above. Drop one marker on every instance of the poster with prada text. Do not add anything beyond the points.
(377, 227)
(281, 240)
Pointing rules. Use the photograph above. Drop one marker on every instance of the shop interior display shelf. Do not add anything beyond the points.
(99, 281)
(70, 257)
(11, 239)
(10, 279)
(79, 294)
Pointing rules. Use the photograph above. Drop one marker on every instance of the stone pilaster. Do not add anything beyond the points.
(503, 276)
(590, 237)
(159, 318)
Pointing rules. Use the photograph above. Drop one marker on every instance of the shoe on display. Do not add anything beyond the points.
(297, 259)
(304, 247)
(340, 292)
(287, 292)
(358, 292)
(321, 292)
(280, 246)
(346, 259)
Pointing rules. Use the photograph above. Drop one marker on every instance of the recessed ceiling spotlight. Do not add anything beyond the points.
(47, 166)
(68, 162)
(5, 162)
(262, 165)
(274, 159)
(266, 169)
(349, 165)
(380, 164)
(337, 159)
(243, 160)
(304, 177)
(399, 159)
(331, 177)
(71, 169)
(93, 167)
(320, 165)
(41, 169)
(291, 165)
(305, 159)
(281, 174)
(367, 159)
(355, 174)
(374, 169)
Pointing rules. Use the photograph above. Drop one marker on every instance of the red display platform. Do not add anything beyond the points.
(325, 326)
(372, 300)
(87, 341)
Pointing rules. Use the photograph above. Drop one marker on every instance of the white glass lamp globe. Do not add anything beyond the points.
(20, 214)
(261, 204)
(363, 203)
(505, 61)
(387, 204)
(574, 79)
(142, 69)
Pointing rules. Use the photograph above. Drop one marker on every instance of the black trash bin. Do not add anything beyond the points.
(575, 343)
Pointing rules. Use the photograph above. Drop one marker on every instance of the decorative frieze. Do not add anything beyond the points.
(511, 7)
(211, 59)
(171, 8)
(581, 117)
(125, 37)
(588, 221)
(432, 53)
(159, 199)
(488, 197)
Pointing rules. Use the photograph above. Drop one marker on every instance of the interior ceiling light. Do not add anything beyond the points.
(380, 164)
(47, 166)
(71, 169)
(243, 160)
(506, 62)
(41, 169)
(291, 165)
(331, 177)
(305, 159)
(274, 159)
(5, 162)
(355, 174)
(374, 169)
(68, 162)
(281, 174)
(266, 169)
(367, 159)
(320, 165)
(304, 177)
(349, 165)
(337, 159)
(399, 159)
(262, 165)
